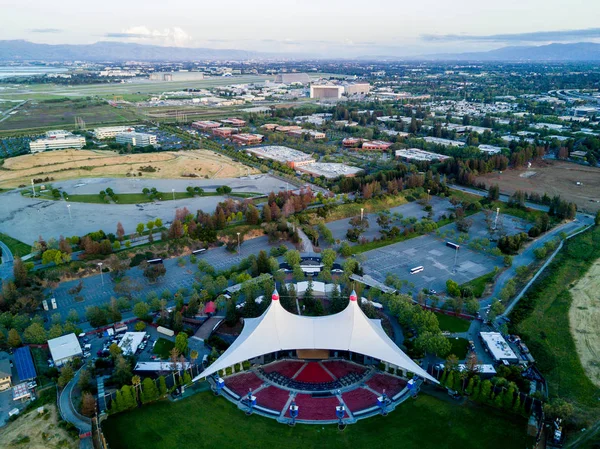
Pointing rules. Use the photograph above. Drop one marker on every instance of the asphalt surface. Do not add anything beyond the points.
(67, 409)
(27, 218)
(6, 267)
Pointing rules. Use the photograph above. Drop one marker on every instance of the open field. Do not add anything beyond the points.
(72, 164)
(163, 347)
(41, 115)
(204, 420)
(553, 178)
(584, 317)
(34, 431)
(542, 319)
(452, 323)
(17, 248)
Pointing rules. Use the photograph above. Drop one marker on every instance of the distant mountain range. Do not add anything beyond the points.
(21, 50)
(578, 52)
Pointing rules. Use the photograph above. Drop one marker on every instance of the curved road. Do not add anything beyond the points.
(6, 271)
(68, 412)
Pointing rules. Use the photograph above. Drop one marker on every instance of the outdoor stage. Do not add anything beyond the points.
(317, 388)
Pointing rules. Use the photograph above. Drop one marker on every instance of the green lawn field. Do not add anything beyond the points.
(162, 348)
(451, 323)
(206, 421)
(17, 248)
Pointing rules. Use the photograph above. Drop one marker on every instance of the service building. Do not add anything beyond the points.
(64, 349)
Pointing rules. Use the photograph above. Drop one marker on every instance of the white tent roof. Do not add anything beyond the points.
(279, 330)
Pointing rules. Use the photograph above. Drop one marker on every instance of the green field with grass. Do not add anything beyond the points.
(17, 248)
(163, 347)
(451, 323)
(479, 284)
(207, 421)
(459, 347)
(122, 198)
(542, 320)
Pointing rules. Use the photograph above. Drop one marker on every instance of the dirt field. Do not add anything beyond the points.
(584, 319)
(71, 164)
(553, 178)
(42, 430)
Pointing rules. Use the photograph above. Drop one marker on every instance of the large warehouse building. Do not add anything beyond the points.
(136, 139)
(57, 140)
(326, 92)
(64, 349)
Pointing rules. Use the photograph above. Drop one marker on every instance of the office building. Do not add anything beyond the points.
(292, 78)
(247, 139)
(376, 145)
(205, 125)
(357, 88)
(498, 347)
(415, 154)
(136, 139)
(57, 143)
(110, 132)
(285, 155)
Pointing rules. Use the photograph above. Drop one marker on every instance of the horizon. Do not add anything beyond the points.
(335, 29)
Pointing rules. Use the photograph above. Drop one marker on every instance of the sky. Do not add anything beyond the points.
(307, 27)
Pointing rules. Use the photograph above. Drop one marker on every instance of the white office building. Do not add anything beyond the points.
(136, 139)
(57, 143)
(498, 347)
(110, 132)
(489, 149)
(326, 92)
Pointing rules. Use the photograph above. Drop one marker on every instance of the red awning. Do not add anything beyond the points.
(210, 307)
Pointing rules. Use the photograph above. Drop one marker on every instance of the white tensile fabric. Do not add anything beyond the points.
(279, 330)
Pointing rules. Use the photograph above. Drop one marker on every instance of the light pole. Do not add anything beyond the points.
(173, 190)
(362, 212)
(32, 189)
(238, 234)
(496, 219)
(70, 217)
(428, 190)
(101, 277)
(455, 259)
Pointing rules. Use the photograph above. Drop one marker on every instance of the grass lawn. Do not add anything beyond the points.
(452, 323)
(542, 320)
(207, 421)
(372, 206)
(131, 198)
(459, 347)
(17, 248)
(162, 348)
(478, 285)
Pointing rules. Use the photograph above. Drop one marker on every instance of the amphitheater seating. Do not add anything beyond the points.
(287, 368)
(272, 398)
(313, 372)
(240, 383)
(359, 399)
(340, 368)
(315, 409)
(392, 385)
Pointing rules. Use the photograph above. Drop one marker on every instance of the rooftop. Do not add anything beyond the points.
(64, 347)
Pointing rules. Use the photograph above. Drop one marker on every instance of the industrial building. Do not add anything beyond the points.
(357, 88)
(445, 142)
(326, 92)
(247, 139)
(329, 170)
(57, 140)
(292, 78)
(110, 132)
(64, 349)
(498, 347)
(205, 125)
(136, 139)
(489, 149)
(285, 155)
(415, 154)
(176, 76)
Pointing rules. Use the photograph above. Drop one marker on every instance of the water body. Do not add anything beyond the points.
(10, 71)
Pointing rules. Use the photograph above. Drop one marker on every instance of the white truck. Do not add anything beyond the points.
(45, 305)
(53, 301)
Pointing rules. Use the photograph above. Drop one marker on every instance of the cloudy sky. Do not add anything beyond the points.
(318, 27)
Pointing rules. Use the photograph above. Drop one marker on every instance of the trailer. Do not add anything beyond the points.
(53, 301)
(45, 305)
(120, 327)
(165, 331)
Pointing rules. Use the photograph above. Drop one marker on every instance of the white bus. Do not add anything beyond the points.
(53, 301)
(199, 251)
(154, 261)
(416, 270)
(165, 331)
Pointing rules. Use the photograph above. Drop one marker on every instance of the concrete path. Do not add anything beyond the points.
(6, 267)
(67, 409)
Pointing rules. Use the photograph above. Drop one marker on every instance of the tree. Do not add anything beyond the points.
(120, 231)
(122, 372)
(14, 340)
(129, 401)
(181, 342)
(19, 272)
(496, 309)
(231, 317)
(84, 380)
(66, 374)
(88, 404)
(558, 408)
(155, 271)
(452, 288)
(328, 258)
(149, 391)
(140, 228)
(494, 192)
(162, 385)
(36, 334)
(141, 310)
(96, 316)
(292, 257)
(150, 226)
(597, 218)
(176, 230)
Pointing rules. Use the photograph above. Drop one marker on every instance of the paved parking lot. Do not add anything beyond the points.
(441, 206)
(95, 293)
(438, 260)
(27, 218)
